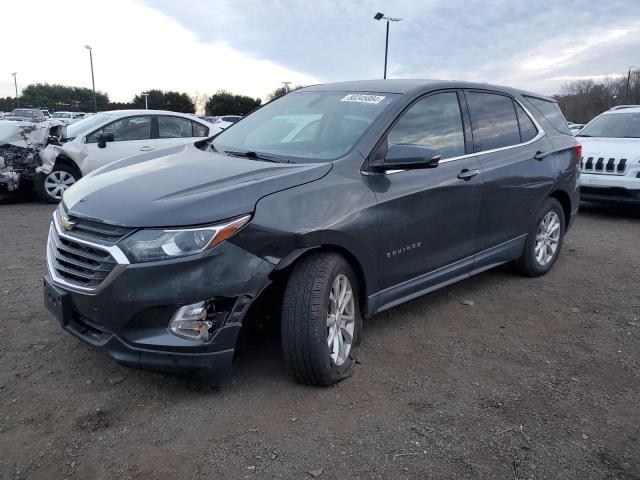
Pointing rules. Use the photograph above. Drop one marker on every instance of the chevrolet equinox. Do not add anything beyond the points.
(354, 197)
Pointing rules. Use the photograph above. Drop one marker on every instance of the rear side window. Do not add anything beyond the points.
(434, 122)
(199, 130)
(528, 129)
(494, 119)
(174, 127)
(551, 111)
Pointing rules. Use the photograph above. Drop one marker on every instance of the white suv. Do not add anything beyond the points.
(610, 165)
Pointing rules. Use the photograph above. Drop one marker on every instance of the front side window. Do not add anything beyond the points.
(174, 127)
(434, 122)
(613, 125)
(125, 129)
(494, 119)
(306, 125)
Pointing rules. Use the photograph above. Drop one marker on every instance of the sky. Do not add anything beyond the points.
(250, 47)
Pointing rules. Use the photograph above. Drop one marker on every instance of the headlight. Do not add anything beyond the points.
(148, 245)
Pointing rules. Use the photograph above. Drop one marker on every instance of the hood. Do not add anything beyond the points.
(181, 186)
(597, 147)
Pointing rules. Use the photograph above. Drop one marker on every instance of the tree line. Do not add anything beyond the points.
(582, 100)
(55, 97)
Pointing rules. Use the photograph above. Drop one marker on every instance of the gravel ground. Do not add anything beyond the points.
(528, 378)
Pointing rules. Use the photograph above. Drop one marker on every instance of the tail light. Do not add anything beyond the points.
(579, 151)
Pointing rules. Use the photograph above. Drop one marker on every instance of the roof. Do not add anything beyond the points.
(411, 86)
(625, 109)
(143, 111)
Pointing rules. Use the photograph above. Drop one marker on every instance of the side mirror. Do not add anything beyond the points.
(103, 138)
(408, 157)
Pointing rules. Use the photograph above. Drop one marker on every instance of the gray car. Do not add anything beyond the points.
(26, 115)
(333, 202)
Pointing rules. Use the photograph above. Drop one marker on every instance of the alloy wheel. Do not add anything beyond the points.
(341, 317)
(547, 238)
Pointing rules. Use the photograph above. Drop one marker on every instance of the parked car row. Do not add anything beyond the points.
(38, 115)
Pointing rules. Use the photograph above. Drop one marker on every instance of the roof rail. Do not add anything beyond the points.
(621, 107)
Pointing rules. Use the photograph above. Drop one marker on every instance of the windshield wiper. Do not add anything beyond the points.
(257, 156)
(584, 135)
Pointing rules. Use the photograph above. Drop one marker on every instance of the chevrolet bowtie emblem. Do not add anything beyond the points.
(65, 224)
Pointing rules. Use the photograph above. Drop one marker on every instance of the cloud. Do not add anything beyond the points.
(499, 41)
(135, 47)
(251, 46)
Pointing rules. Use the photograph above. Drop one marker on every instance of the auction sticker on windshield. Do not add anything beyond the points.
(361, 98)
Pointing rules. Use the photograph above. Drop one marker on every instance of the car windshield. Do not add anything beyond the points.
(613, 125)
(61, 115)
(316, 126)
(86, 124)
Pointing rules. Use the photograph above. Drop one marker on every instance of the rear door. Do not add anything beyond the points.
(175, 130)
(506, 140)
(427, 217)
(132, 136)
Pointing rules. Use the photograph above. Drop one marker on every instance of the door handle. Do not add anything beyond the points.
(540, 155)
(467, 174)
(146, 148)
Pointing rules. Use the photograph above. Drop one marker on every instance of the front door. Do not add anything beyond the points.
(131, 136)
(428, 217)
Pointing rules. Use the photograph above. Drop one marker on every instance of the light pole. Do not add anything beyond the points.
(626, 90)
(382, 16)
(15, 82)
(93, 82)
(146, 97)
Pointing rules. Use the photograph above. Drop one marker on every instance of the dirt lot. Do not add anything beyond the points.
(539, 378)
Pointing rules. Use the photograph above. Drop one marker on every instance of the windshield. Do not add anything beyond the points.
(613, 125)
(61, 115)
(87, 124)
(306, 125)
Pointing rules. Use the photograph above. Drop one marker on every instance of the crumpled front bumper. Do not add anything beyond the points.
(129, 317)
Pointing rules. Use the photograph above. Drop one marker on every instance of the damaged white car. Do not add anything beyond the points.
(55, 162)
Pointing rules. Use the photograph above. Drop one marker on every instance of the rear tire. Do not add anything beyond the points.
(544, 240)
(51, 186)
(321, 322)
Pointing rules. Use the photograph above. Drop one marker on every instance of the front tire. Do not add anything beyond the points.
(544, 240)
(321, 320)
(51, 186)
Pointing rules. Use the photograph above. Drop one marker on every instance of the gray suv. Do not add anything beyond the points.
(335, 202)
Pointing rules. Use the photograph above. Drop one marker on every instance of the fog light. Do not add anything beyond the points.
(191, 322)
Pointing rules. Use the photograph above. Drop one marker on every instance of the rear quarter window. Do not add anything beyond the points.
(551, 111)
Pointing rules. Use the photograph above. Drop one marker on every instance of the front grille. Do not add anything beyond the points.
(604, 166)
(97, 232)
(77, 263)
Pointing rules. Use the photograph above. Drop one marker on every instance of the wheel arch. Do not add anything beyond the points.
(565, 201)
(286, 265)
(64, 160)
